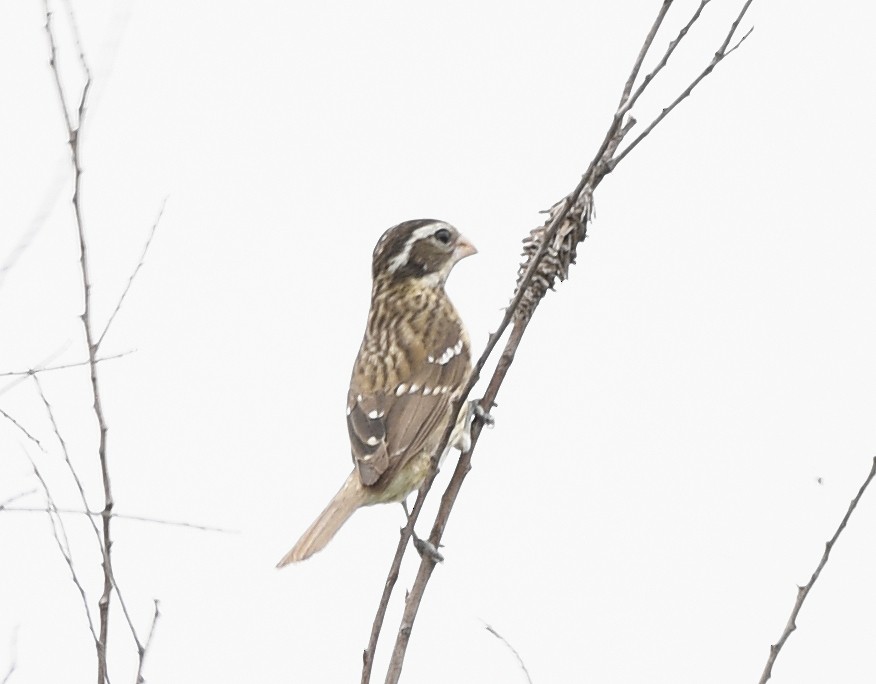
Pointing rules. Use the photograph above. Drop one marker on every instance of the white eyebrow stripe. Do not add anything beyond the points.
(402, 257)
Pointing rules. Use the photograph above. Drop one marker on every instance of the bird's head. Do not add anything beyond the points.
(423, 250)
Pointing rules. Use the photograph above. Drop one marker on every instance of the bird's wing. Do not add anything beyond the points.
(391, 425)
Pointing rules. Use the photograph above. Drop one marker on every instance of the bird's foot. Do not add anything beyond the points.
(482, 414)
(427, 549)
(424, 547)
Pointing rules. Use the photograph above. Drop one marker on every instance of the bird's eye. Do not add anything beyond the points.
(442, 235)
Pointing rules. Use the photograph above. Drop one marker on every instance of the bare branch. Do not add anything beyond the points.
(145, 650)
(9, 672)
(78, 482)
(63, 366)
(22, 376)
(15, 497)
(53, 64)
(721, 53)
(643, 52)
(60, 534)
(803, 592)
(74, 133)
(44, 209)
(391, 578)
(133, 274)
(13, 660)
(104, 550)
(23, 429)
(513, 650)
(119, 516)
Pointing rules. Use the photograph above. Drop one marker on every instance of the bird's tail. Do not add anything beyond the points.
(350, 497)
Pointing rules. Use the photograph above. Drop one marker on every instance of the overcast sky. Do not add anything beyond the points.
(682, 430)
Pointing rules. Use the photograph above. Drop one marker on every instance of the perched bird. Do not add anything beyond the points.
(412, 366)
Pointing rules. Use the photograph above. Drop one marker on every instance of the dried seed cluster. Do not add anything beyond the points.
(560, 253)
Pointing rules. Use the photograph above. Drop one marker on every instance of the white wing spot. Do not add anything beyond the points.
(349, 410)
(427, 391)
(359, 398)
(401, 389)
(445, 389)
(458, 348)
(414, 388)
(375, 414)
(372, 441)
(431, 359)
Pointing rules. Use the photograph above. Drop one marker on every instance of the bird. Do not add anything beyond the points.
(413, 364)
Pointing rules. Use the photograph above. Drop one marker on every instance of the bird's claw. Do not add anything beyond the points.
(482, 414)
(427, 549)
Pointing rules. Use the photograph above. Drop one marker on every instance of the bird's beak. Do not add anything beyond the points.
(463, 248)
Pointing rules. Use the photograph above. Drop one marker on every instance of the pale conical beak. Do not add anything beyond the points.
(463, 248)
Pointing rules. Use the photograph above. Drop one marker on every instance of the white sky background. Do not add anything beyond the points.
(650, 497)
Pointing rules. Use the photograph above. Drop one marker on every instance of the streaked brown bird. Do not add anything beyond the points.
(414, 362)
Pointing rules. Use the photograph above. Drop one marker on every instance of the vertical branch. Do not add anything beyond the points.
(74, 133)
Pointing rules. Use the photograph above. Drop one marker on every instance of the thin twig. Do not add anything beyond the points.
(43, 211)
(77, 481)
(120, 516)
(60, 535)
(719, 56)
(141, 654)
(133, 274)
(63, 366)
(803, 592)
(15, 497)
(81, 489)
(389, 584)
(630, 103)
(23, 429)
(22, 377)
(646, 47)
(13, 659)
(513, 650)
